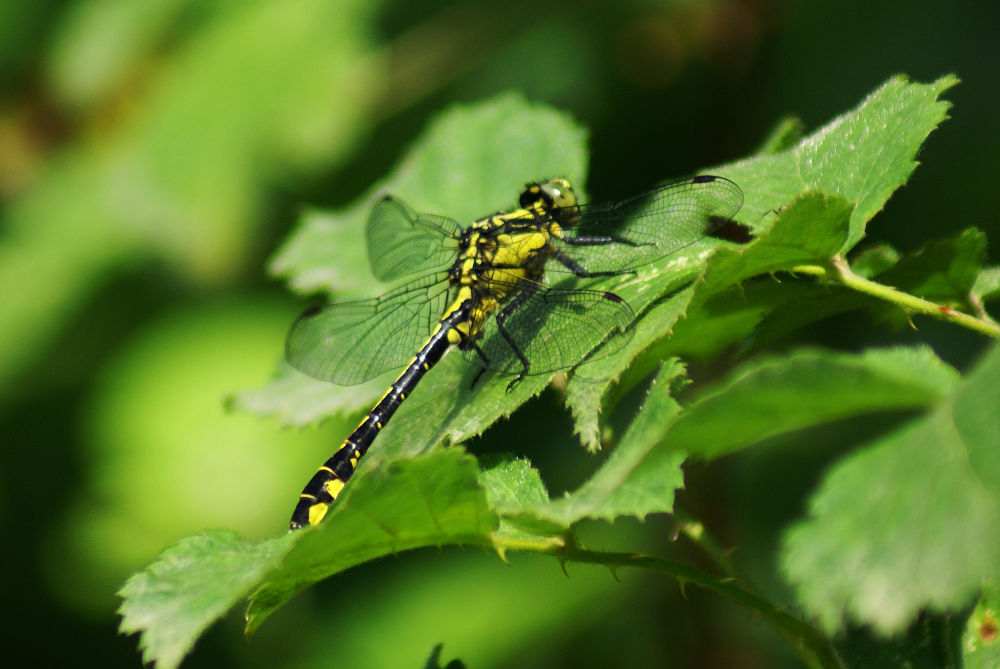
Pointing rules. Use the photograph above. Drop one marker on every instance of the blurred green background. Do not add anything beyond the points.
(154, 154)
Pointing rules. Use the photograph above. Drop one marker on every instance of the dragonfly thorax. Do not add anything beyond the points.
(497, 256)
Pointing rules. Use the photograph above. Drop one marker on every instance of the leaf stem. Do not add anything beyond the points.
(811, 645)
(699, 535)
(841, 271)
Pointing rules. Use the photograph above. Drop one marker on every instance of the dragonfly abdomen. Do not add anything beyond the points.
(329, 480)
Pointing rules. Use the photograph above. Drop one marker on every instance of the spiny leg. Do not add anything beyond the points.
(526, 293)
(599, 240)
(578, 269)
(482, 357)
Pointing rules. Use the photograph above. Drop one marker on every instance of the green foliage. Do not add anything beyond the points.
(910, 521)
(638, 478)
(178, 178)
(905, 524)
(434, 660)
(773, 396)
(981, 639)
(191, 585)
(182, 593)
(863, 155)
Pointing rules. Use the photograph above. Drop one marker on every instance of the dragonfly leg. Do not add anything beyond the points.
(578, 269)
(599, 240)
(502, 316)
(475, 379)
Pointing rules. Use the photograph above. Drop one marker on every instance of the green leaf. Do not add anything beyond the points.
(638, 477)
(772, 396)
(179, 182)
(191, 585)
(434, 660)
(427, 501)
(942, 271)
(297, 400)
(910, 522)
(931, 642)
(946, 271)
(981, 641)
(511, 484)
(785, 134)
(986, 285)
(874, 260)
(587, 389)
(808, 231)
(811, 229)
(96, 50)
(431, 500)
(863, 155)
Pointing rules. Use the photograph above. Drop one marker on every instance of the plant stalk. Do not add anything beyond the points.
(811, 645)
(840, 271)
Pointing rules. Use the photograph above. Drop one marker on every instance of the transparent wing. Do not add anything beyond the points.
(401, 242)
(351, 342)
(554, 328)
(650, 226)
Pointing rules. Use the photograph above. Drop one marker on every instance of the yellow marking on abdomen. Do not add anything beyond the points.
(333, 487)
(316, 512)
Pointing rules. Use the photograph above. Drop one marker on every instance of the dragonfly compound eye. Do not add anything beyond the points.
(551, 194)
(559, 192)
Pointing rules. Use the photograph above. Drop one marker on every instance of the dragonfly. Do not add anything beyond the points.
(482, 289)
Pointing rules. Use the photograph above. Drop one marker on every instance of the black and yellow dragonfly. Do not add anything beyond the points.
(481, 289)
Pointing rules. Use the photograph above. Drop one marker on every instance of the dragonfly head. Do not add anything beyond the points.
(548, 196)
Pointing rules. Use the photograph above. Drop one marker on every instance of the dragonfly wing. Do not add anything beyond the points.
(650, 226)
(351, 342)
(401, 242)
(554, 329)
